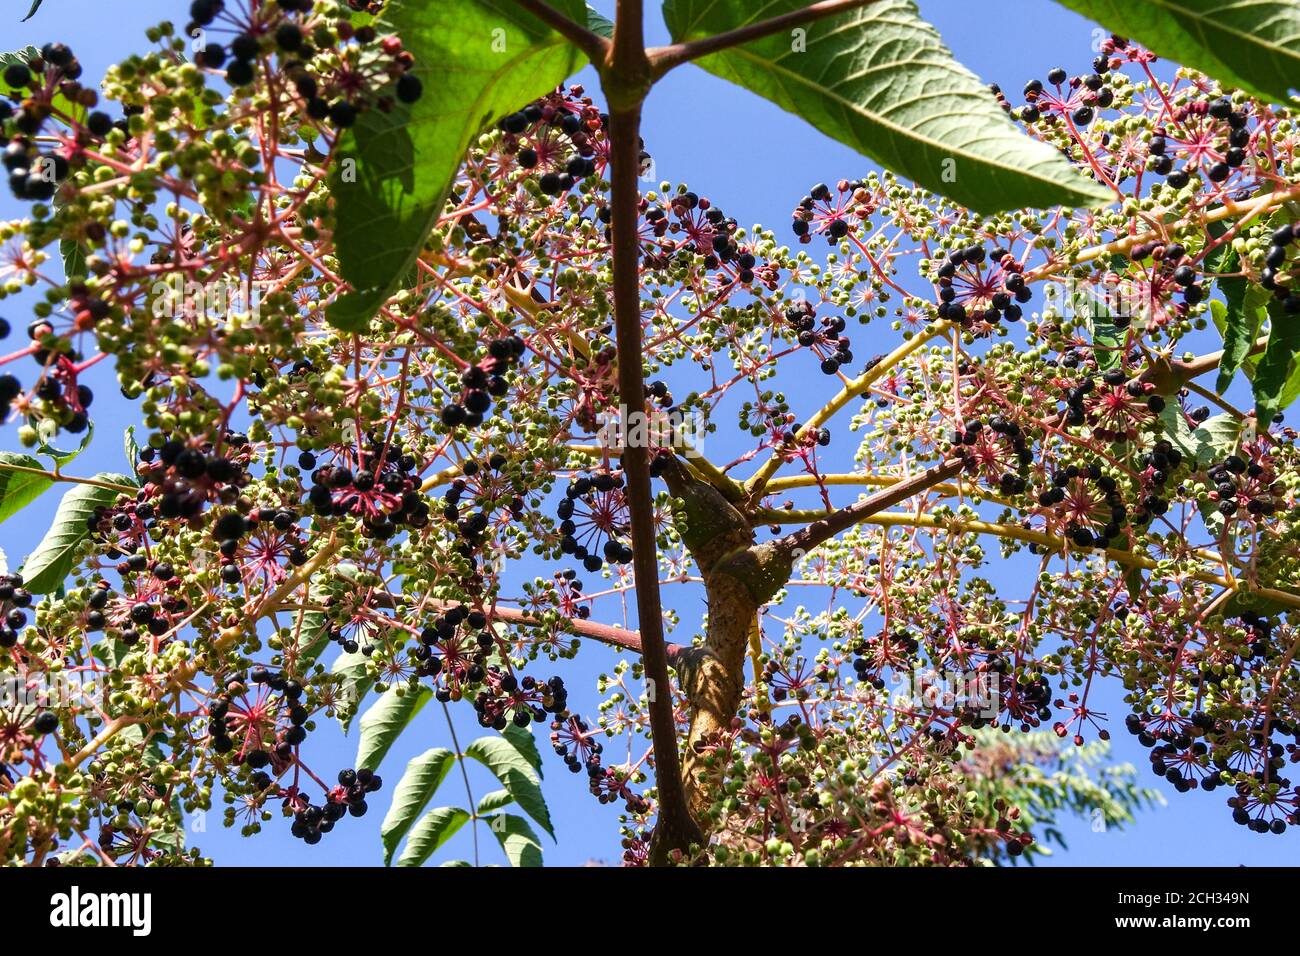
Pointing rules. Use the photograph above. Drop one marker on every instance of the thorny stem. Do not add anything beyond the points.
(628, 71)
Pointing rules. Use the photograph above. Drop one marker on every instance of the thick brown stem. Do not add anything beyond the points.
(739, 577)
(626, 78)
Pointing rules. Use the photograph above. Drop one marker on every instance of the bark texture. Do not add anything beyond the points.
(739, 578)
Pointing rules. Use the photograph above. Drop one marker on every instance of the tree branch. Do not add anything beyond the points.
(665, 58)
(605, 633)
(758, 481)
(625, 81)
(1128, 559)
(1229, 210)
(593, 44)
(805, 539)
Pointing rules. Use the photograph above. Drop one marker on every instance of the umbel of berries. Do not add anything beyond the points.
(999, 452)
(826, 339)
(14, 600)
(978, 286)
(593, 520)
(383, 491)
(554, 139)
(34, 175)
(311, 821)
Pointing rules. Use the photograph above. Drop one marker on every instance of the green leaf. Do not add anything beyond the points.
(385, 721)
(62, 457)
(1238, 317)
(151, 753)
(455, 863)
(18, 489)
(354, 670)
(36, 5)
(314, 629)
(478, 59)
(1250, 44)
(434, 829)
(1275, 368)
(52, 561)
(599, 24)
(1217, 437)
(880, 80)
(422, 778)
(73, 252)
(516, 774)
(1108, 342)
(313, 632)
(1211, 441)
(132, 449)
(494, 801)
(516, 838)
(521, 738)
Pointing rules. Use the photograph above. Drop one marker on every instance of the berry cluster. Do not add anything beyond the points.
(593, 517)
(491, 490)
(976, 286)
(242, 729)
(1080, 96)
(1085, 504)
(446, 649)
(1115, 406)
(14, 599)
(59, 399)
(692, 224)
(888, 649)
(1275, 260)
(1185, 751)
(483, 382)
(181, 477)
(832, 215)
(829, 338)
(558, 139)
(508, 699)
(1239, 483)
(383, 491)
(999, 453)
(579, 746)
(48, 84)
(334, 94)
(347, 799)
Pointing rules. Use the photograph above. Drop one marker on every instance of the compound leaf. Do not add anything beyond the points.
(434, 829)
(419, 782)
(516, 774)
(517, 838)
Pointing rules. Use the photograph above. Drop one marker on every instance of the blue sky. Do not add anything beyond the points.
(756, 162)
